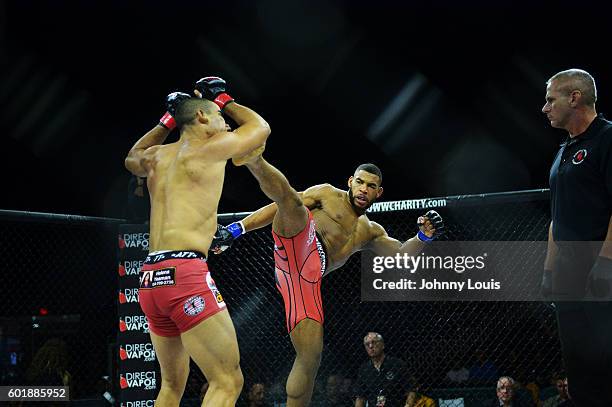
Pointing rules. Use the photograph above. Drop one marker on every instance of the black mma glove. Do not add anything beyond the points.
(213, 88)
(172, 101)
(225, 236)
(436, 222)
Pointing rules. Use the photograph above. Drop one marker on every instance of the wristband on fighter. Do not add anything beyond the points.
(423, 237)
(222, 100)
(167, 121)
(236, 229)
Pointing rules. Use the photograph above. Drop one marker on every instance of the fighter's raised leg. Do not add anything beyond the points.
(307, 336)
(295, 241)
(291, 215)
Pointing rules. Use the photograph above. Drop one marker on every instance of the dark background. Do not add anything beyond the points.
(445, 98)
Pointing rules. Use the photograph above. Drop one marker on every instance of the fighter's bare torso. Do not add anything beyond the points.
(343, 231)
(185, 188)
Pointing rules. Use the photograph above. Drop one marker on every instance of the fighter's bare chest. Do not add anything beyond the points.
(341, 230)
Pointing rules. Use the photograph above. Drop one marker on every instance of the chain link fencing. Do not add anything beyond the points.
(66, 268)
(488, 339)
(58, 296)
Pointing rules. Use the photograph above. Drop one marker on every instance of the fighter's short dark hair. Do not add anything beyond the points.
(371, 168)
(186, 110)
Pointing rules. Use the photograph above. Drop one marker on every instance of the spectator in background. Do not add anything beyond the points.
(416, 398)
(483, 371)
(333, 396)
(346, 389)
(458, 375)
(192, 396)
(276, 392)
(382, 380)
(506, 395)
(562, 394)
(193, 386)
(543, 381)
(254, 395)
(138, 204)
(526, 383)
(530, 384)
(50, 365)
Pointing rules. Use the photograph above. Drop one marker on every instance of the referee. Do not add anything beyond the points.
(579, 259)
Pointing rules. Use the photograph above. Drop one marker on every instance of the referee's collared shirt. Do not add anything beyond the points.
(581, 185)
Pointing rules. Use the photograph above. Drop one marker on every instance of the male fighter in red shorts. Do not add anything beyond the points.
(315, 232)
(186, 314)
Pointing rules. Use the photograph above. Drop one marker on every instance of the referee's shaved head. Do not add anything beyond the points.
(576, 79)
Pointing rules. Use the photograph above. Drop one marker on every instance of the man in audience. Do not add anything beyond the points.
(506, 395)
(383, 380)
(562, 394)
(332, 395)
(256, 395)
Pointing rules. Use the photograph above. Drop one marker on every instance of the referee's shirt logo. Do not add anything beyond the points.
(579, 156)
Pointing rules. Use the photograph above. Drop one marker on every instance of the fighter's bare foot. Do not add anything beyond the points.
(250, 157)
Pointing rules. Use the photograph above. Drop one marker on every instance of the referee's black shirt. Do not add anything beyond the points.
(581, 185)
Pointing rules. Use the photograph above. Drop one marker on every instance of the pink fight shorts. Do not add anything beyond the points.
(177, 292)
(299, 264)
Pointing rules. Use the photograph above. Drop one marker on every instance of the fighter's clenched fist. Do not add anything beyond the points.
(430, 226)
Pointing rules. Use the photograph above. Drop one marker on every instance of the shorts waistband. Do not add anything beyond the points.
(161, 255)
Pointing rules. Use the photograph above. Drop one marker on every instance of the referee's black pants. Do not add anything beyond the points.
(585, 330)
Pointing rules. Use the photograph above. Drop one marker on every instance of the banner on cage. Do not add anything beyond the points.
(138, 375)
(137, 385)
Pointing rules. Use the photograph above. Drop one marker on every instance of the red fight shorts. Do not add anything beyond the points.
(177, 292)
(299, 264)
